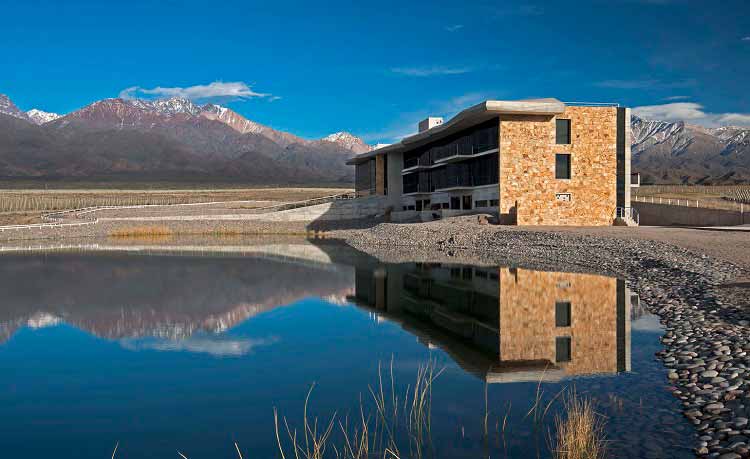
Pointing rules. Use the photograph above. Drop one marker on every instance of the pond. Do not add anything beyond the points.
(162, 351)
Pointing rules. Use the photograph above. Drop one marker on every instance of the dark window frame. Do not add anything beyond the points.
(563, 314)
(563, 131)
(563, 349)
(567, 170)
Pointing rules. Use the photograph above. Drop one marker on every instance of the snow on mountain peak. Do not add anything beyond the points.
(215, 109)
(40, 117)
(349, 141)
(643, 129)
(175, 105)
(7, 107)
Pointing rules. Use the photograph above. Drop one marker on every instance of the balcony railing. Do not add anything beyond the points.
(465, 181)
(460, 150)
(437, 154)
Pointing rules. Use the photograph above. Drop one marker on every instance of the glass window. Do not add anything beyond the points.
(562, 131)
(494, 202)
(562, 166)
(455, 202)
(562, 349)
(467, 202)
(562, 314)
(480, 203)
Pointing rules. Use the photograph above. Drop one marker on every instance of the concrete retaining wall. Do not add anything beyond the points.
(668, 215)
(337, 210)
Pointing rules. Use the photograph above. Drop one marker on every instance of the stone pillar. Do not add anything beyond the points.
(623, 157)
(380, 175)
(395, 181)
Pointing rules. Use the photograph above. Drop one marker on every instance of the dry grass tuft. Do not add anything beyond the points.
(387, 424)
(142, 232)
(580, 431)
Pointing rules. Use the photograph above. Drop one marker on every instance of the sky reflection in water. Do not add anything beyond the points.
(167, 352)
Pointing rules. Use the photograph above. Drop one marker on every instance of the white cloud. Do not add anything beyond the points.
(216, 91)
(676, 98)
(740, 119)
(746, 38)
(216, 346)
(430, 71)
(692, 113)
(645, 84)
(454, 27)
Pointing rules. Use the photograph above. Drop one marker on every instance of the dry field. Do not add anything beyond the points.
(728, 197)
(19, 206)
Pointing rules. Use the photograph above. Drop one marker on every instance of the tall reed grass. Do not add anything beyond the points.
(397, 424)
(389, 424)
(579, 430)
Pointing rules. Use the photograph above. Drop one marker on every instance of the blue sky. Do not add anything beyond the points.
(375, 68)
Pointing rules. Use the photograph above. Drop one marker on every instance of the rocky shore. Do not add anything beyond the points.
(707, 319)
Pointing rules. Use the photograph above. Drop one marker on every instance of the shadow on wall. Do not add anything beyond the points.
(365, 212)
(362, 212)
(511, 217)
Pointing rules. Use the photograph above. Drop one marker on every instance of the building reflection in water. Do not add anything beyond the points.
(506, 324)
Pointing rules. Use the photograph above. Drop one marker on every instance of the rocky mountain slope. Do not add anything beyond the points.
(8, 108)
(177, 139)
(170, 139)
(676, 152)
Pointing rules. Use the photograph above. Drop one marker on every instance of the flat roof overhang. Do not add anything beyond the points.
(470, 117)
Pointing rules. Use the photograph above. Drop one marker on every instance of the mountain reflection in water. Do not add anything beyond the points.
(501, 324)
(166, 349)
(125, 297)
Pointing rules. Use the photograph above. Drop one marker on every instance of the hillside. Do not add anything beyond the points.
(172, 138)
(676, 152)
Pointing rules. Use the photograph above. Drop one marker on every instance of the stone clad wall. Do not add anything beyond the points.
(527, 169)
(527, 319)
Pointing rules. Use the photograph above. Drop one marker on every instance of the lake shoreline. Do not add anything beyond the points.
(706, 320)
(697, 297)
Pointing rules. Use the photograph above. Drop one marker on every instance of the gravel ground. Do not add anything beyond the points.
(707, 338)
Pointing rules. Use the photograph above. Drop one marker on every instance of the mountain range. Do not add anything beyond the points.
(678, 152)
(176, 139)
(166, 139)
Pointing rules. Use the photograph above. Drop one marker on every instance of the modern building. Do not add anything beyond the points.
(533, 162)
(506, 324)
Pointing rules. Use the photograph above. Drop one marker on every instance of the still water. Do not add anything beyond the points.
(169, 350)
